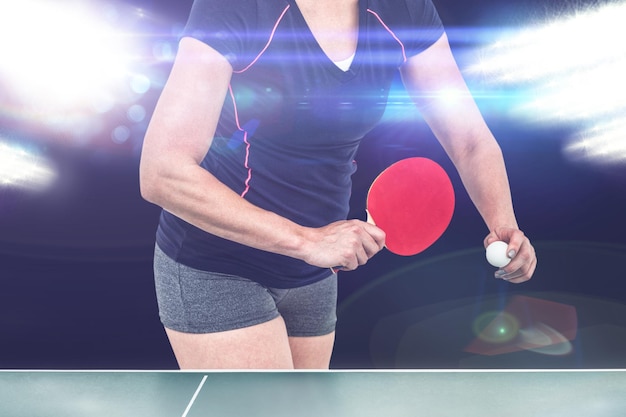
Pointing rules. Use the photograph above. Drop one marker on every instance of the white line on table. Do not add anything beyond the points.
(195, 395)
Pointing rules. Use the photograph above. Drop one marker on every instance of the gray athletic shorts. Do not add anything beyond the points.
(194, 301)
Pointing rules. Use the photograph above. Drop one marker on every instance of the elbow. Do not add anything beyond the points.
(147, 192)
(478, 145)
(149, 184)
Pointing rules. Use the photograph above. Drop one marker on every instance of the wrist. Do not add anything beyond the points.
(296, 243)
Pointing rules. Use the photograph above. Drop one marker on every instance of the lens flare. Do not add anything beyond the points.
(541, 338)
(496, 327)
(526, 324)
(65, 67)
(20, 168)
(603, 142)
(570, 71)
(62, 56)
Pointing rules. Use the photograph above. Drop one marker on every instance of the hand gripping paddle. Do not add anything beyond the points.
(412, 201)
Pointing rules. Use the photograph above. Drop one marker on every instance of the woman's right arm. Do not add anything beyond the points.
(179, 136)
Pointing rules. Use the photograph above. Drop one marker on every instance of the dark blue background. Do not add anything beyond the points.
(76, 286)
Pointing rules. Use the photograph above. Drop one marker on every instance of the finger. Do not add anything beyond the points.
(523, 275)
(514, 237)
(515, 276)
(522, 270)
(349, 265)
(517, 244)
(519, 258)
(377, 236)
(372, 246)
(356, 252)
(491, 237)
(364, 248)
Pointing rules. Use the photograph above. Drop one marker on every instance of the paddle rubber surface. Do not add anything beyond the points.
(413, 202)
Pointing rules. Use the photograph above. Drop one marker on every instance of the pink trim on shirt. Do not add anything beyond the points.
(390, 32)
(232, 95)
(246, 141)
(269, 41)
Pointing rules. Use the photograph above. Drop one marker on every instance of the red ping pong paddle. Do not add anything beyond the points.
(412, 201)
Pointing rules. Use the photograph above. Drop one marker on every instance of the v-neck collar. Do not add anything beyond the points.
(324, 58)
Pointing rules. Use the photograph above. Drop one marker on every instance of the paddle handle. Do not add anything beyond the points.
(369, 220)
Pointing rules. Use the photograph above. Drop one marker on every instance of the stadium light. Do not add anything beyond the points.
(60, 53)
(21, 168)
(569, 70)
(67, 66)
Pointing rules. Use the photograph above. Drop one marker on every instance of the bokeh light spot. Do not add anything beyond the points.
(120, 134)
(136, 113)
(163, 51)
(140, 84)
(496, 327)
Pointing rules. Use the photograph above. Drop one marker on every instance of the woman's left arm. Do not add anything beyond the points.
(436, 86)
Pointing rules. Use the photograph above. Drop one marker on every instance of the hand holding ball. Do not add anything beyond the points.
(496, 254)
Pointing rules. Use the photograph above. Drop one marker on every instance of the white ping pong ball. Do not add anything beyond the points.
(496, 254)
